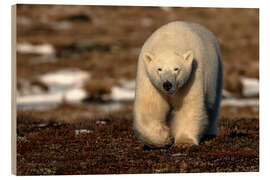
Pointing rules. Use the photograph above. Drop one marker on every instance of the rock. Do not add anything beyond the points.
(82, 131)
(42, 125)
(178, 154)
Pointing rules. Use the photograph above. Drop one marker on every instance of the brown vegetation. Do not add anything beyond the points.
(51, 147)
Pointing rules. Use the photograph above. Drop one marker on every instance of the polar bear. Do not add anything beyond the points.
(178, 86)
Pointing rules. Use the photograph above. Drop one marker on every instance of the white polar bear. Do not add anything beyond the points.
(178, 85)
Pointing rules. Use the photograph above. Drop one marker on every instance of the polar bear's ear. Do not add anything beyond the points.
(188, 56)
(148, 57)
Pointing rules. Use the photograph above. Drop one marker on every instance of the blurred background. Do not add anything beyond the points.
(76, 70)
(82, 60)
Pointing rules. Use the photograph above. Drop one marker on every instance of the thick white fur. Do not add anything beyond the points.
(191, 112)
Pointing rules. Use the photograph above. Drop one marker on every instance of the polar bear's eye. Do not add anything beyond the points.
(159, 69)
(176, 69)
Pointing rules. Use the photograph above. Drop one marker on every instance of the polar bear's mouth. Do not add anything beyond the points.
(172, 93)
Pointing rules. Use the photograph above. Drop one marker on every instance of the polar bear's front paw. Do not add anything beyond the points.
(160, 137)
(185, 140)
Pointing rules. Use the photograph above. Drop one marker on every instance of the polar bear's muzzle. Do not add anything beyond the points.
(167, 85)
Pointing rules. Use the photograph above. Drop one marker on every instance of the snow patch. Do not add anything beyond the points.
(250, 87)
(240, 102)
(42, 49)
(75, 95)
(109, 107)
(64, 85)
(67, 77)
(124, 92)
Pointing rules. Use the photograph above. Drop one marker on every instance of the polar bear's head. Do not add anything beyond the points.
(168, 71)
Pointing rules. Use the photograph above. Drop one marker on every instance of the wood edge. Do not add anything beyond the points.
(13, 90)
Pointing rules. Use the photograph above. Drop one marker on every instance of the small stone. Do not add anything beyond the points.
(82, 131)
(101, 122)
(178, 154)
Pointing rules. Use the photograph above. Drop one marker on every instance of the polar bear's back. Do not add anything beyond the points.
(180, 37)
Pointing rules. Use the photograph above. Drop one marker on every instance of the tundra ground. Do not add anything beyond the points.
(105, 42)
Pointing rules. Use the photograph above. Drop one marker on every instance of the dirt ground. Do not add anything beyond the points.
(109, 147)
(98, 39)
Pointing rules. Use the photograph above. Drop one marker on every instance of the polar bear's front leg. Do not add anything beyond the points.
(150, 121)
(189, 122)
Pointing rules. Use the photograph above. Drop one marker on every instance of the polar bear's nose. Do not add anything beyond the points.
(167, 85)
